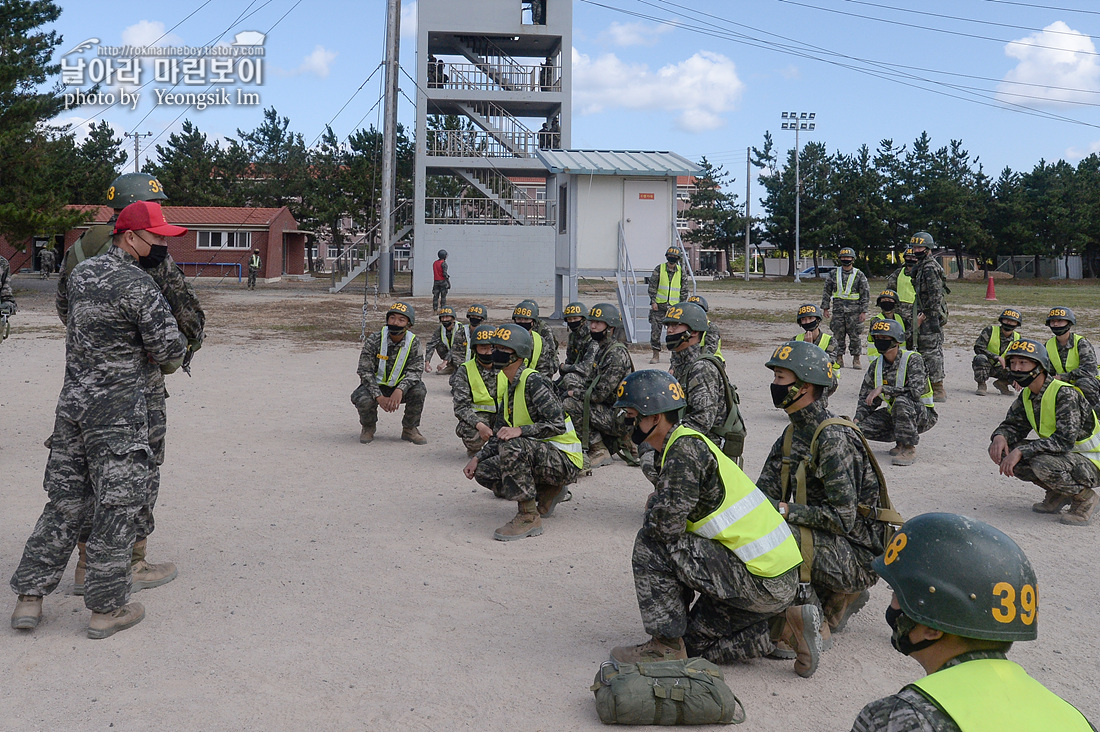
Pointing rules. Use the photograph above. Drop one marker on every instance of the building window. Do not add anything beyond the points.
(563, 195)
(333, 251)
(224, 239)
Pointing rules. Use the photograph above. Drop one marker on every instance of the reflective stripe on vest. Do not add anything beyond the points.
(536, 351)
(844, 292)
(399, 362)
(483, 400)
(746, 522)
(872, 352)
(993, 695)
(906, 292)
(1088, 447)
(449, 342)
(899, 380)
(254, 262)
(994, 345)
(567, 442)
(666, 290)
(469, 347)
(1073, 357)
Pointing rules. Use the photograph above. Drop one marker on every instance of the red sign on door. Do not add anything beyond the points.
(645, 196)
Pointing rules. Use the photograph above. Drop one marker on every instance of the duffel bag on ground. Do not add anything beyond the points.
(665, 692)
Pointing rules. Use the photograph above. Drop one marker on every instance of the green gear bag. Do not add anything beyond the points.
(666, 693)
(732, 431)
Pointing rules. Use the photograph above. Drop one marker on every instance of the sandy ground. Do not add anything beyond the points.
(329, 585)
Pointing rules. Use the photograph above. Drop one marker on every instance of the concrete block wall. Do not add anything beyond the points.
(487, 260)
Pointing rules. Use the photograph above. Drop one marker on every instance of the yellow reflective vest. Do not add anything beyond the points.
(899, 380)
(994, 345)
(567, 442)
(1073, 358)
(906, 292)
(717, 348)
(399, 361)
(995, 695)
(448, 340)
(1088, 447)
(844, 291)
(483, 400)
(536, 351)
(668, 291)
(746, 522)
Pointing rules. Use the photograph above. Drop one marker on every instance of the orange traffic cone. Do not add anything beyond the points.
(990, 291)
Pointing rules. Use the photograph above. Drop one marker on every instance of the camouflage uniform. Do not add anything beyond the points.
(440, 346)
(458, 355)
(440, 288)
(611, 366)
(1049, 462)
(1084, 376)
(46, 262)
(841, 478)
(548, 359)
(365, 397)
(985, 363)
(190, 321)
(513, 469)
(5, 283)
(657, 317)
(580, 354)
(928, 282)
(100, 461)
(709, 344)
(729, 620)
(905, 309)
(254, 264)
(463, 397)
(845, 313)
(908, 418)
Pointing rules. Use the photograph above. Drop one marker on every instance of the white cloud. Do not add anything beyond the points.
(636, 34)
(408, 20)
(317, 63)
(1077, 153)
(701, 88)
(1057, 57)
(148, 33)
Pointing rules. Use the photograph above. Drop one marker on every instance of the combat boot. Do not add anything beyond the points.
(104, 625)
(855, 362)
(1053, 503)
(1003, 386)
(146, 575)
(412, 434)
(895, 450)
(549, 496)
(598, 455)
(28, 611)
(841, 606)
(982, 389)
(907, 455)
(803, 634)
(840, 361)
(939, 394)
(527, 522)
(1080, 510)
(366, 435)
(81, 568)
(448, 369)
(656, 357)
(654, 649)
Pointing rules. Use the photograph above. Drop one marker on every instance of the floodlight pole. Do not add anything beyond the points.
(798, 121)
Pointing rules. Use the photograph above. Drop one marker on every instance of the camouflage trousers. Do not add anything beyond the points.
(573, 381)
(930, 347)
(252, 278)
(1067, 473)
(413, 400)
(520, 465)
(604, 422)
(656, 326)
(729, 620)
(985, 368)
(102, 472)
(838, 565)
(903, 425)
(439, 294)
(1090, 387)
(845, 325)
(471, 438)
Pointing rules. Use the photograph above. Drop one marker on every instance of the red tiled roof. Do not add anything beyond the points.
(202, 215)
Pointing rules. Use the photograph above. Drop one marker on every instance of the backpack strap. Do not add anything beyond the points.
(884, 512)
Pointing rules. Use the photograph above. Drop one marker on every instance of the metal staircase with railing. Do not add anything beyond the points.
(357, 257)
(633, 290)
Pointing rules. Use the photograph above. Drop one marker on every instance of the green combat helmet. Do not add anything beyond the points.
(403, 308)
(890, 295)
(701, 302)
(672, 252)
(477, 310)
(132, 187)
(1031, 349)
(689, 314)
(810, 364)
(1011, 314)
(526, 309)
(515, 337)
(605, 312)
(809, 310)
(888, 329)
(650, 392)
(1061, 313)
(962, 576)
(921, 239)
(575, 310)
(483, 334)
(846, 253)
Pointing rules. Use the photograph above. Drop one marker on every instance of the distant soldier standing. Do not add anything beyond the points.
(476, 389)
(391, 365)
(989, 350)
(254, 264)
(1072, 357)
(847, 295)
(46, 262)
(667, 286)
(441, 281)
(7, 299)
(929, 309)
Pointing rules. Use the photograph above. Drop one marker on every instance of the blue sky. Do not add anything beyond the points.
(1011, 79)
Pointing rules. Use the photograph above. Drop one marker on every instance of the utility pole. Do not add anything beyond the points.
(389, 146)
(748, 203)
(137, 147)
(798, 121)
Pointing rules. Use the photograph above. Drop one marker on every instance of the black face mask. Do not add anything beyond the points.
(503, 358)
(485, 360)
(475, 321)
(599, 335)
(846, 263)
(637, 436)
(812, 325)
(574, 324)
(1007, 328)
(882, 345)
(448, 324)
(920, 255)
(902, 625)
(784, 394)
(1061, 330)
(887, 307)
(670, 260)
(910, 263)
(156, 255)
(527, 326)
(673, 340)
(396, 331)
(1024, 378)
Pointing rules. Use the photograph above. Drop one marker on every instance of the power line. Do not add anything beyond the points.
(960, 18)
(345, 104)
(1044, 7)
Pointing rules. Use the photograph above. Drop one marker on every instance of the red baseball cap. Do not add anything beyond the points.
(146, 216)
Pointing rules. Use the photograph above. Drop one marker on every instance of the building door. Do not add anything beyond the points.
(647, 221)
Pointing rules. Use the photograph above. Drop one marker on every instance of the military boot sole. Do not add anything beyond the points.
(535, 530)
(853, 608)
(415, 438)
(904, 459)
(811, 636)
(1050, 507)
(550, 499)
(141, 584)
(27, 615)
(136, 615)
